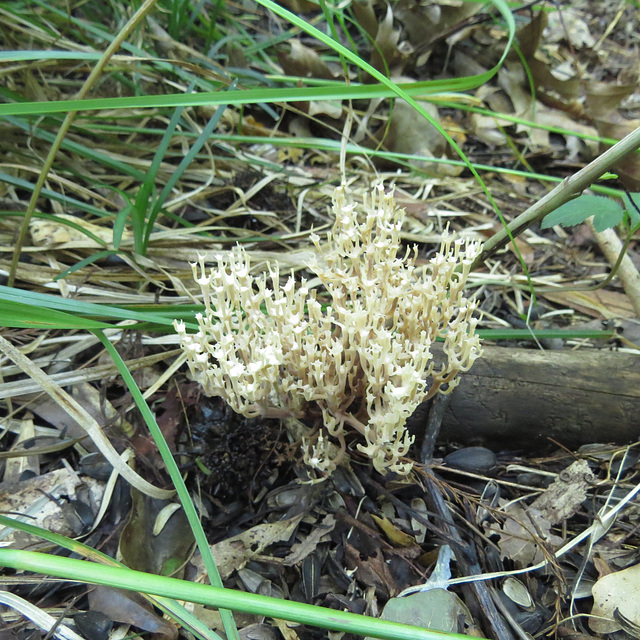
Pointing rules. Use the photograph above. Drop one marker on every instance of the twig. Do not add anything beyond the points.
(124, 33)
(467, 561)
(627, 273)
(438, 406)
(568, 189)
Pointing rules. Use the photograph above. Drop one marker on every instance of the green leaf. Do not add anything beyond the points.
(83, 263)
(35, 299)
(632, 202)
(18, 315)
(606, 213)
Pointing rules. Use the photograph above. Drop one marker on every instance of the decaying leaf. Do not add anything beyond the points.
(301, 550)
(563, 497)
(615, 595)
(436, 609)
(599, 303)
(157, 538)
(526, 528)
(568, 24)
(303, 62)
(386, 54)
(130, 608)
(522, 534)
(235, 552)
(396, 537)
(372, 571)
(63, 232)
(411, 133)
(41, 501)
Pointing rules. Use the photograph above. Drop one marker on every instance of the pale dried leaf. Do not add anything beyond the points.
(563, 497)
(235, 552)
(616, 592)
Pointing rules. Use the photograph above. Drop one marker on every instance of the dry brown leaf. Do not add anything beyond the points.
(300, 550)
(521, 533)
(409, 132)
(616, 593)
(424, 22)
(55, 233)
(386, 55)
(41, 501)
(131, 608)
(568, 24)
(628, 169)
(372, 571)
(605, 97)
(303, 62)
(600, 303)
(365, 16)
(395, 536)
(567, 492)
(235, 552)
(529, 39)
(15, 467)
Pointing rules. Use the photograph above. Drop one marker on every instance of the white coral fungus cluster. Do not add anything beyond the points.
(364, 361)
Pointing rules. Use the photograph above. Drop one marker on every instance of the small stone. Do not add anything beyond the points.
(472, 459)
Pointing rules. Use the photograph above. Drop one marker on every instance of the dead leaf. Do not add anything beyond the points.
(568, 88)
(385, 55)
(600, 303)
(409, 132)
(426, 21)
(568, 24)
(56, 233)
(395, 536)
(303, 62)
(41, 500)
(130, 608)
(567, 492)
(436, 609)
(164, 552)
(521, 534)
(300, 550)
(616, 592)
(235, 552)
(603, 98)
(526, 527)
(371, 571)
(628, 169)
(15, 467)
(365, 16)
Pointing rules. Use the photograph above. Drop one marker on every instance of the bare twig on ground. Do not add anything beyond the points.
(565, 191)
(627, 273)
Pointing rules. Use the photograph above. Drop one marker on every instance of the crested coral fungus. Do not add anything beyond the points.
(364, 361)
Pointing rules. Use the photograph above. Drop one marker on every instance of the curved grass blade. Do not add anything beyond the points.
(92, 573)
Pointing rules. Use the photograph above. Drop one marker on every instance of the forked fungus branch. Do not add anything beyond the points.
(363, 362)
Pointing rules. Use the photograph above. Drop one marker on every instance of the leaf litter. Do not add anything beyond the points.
(357, 540)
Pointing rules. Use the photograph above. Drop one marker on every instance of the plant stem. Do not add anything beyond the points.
(124, 33)
(565, 191)
(93, 573)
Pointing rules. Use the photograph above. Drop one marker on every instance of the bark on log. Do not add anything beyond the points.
(513, 398)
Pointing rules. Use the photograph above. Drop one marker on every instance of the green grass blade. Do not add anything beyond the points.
(337, 91)
(18, 315)
(171, 607)
(47, 301)
(177, 174)
(87, 261)
(142, 202)
(68, 201)
(92, 573)
(176, 478)
(75, 147)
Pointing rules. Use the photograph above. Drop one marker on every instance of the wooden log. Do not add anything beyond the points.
(514, 398)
